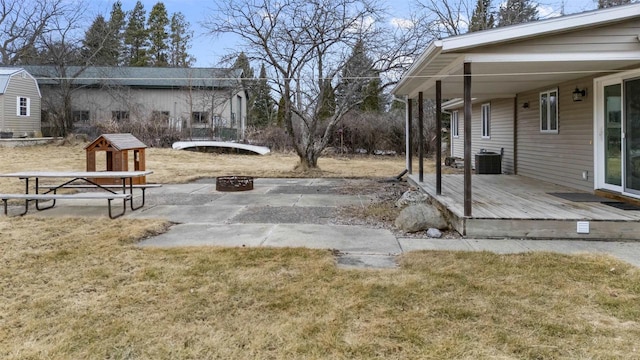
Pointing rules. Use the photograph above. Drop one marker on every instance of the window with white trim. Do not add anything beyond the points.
(486, 121)
(549, 111)
(454, 124)
(23, 106)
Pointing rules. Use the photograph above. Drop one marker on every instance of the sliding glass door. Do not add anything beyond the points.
(613, 135)
(632, 136)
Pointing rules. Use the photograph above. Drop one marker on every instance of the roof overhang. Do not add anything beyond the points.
(504, 74)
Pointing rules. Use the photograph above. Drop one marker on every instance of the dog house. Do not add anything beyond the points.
(123, 152)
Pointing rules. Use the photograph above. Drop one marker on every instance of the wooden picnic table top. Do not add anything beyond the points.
(78, 174)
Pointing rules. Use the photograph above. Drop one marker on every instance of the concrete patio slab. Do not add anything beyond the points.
(189, 214)
(231, 235)
(251, 199)
(284, 215)
(345, 238)
(332, 200)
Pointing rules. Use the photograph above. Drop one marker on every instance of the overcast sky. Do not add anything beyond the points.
(209, 51)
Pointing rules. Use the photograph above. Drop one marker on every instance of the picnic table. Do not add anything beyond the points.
(123, 189)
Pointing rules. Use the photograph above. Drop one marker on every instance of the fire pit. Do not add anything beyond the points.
(234, 183)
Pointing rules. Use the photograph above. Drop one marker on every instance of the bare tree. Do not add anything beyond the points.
(446, 17)
(306, 44)
(23, 22)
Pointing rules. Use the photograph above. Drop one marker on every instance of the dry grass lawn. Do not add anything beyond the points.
(76, 288)
(81, 290)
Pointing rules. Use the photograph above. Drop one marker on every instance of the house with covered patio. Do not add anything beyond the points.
(559, 101)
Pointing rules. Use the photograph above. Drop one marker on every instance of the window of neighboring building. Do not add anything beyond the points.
(120, 115)
(486, 121)
(199, 117)
(454, 124)
(160, 116)
(549, 111)
(23, 106)
(80, 115)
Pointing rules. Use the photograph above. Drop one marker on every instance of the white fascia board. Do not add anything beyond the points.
(554, 57)
(541, 27)
(458, 103)
(432, 51)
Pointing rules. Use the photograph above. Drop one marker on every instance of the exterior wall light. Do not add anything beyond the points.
(579, 94)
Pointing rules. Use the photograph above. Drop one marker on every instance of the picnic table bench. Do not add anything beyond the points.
(106, 191)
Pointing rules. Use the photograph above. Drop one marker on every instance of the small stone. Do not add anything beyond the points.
(412, 197)
(434, 233)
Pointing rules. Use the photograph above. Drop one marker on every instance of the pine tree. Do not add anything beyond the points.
(116, 31)
(516, 12)
(280, 115)
(158, 23)
(482, 18)
(136, 37)
(262, 111)
(97, 46)
(603, 4)
(360, 80)
(179, 42)
(327, 101)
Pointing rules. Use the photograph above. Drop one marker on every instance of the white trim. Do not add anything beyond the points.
(553, 57)
(19, 106)
(455, 116)
(485, 119)
(532, 29)
(557, 112)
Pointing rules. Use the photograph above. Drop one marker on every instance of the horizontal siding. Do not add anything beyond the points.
(616, 37)
(501, 130)
(21, 125)
(558, 158)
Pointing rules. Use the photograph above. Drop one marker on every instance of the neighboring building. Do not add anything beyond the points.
(560, 98)
(19, 104)
(202, 102)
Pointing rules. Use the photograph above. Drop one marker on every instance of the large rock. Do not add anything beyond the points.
(410, 197)
(420, 217)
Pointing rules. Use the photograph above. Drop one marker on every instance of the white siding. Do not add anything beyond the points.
(501, 132)
(558, 158)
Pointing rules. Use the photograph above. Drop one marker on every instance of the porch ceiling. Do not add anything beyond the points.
(496, 76)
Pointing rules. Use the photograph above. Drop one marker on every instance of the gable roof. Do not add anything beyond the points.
(443, 59)
(142, 77)
(119, 141)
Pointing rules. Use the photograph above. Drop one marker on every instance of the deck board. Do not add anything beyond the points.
(524, 206)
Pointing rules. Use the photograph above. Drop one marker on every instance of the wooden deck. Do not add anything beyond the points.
(519, 207)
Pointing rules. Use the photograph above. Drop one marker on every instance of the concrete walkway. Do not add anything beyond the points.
(301, 213)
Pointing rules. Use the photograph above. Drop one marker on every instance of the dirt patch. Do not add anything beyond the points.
(382, 211)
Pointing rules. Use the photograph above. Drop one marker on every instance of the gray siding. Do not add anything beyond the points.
(100, 102)
(501, 131)
(616, 37)
(21, 125)
(558, 158)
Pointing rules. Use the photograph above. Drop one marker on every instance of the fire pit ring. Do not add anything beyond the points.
(234, 183)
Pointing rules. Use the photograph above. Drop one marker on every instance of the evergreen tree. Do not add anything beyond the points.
(179, 41)
(136, 37)
(360, 81)
(482, 18)
(516, 12)
(327, 101)
(280, 115)
(262, 111)
(242, 62)
(97, 46)
(116, 31)
(158, 23)
(602, 4)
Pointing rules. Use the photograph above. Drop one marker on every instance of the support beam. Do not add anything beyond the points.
(467, 139)
(439, 137)
(420, 137)
(410, 136)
